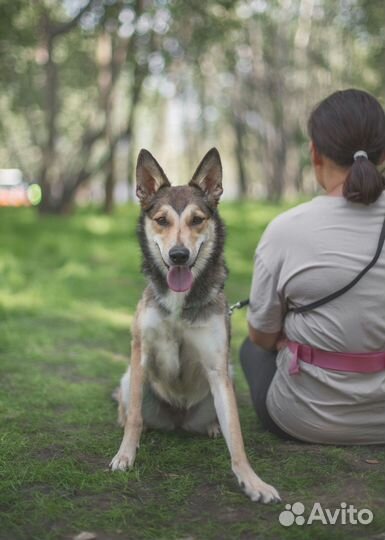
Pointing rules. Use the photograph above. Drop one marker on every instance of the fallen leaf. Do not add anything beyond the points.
(85, 535)
(372, 461)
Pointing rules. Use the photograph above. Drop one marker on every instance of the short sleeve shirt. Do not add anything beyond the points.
(305, 254)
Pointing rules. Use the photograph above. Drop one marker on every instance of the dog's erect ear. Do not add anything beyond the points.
(149, 176)
(208, 176)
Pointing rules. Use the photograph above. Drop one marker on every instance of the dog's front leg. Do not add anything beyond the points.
(133, 423)
(225, 404)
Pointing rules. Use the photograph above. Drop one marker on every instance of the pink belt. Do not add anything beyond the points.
(338, 361)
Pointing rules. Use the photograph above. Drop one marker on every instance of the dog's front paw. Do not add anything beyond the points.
(122, 461)
(260, 492)
(257, 489)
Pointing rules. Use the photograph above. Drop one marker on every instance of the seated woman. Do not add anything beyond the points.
(327, 382)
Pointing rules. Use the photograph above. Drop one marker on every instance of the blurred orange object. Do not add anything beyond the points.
(13, 189)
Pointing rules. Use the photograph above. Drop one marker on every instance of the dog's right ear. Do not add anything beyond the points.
(149, 176)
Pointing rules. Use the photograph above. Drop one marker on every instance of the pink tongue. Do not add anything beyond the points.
(179, 278)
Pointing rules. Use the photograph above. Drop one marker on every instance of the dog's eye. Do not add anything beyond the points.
(162, 221)
(197, 220)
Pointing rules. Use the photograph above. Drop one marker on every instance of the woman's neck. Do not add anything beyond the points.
(336, 191)
(331, 177)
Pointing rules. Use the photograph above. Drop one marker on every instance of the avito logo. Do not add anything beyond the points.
(343, 515)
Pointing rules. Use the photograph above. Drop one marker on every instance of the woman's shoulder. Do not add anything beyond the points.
(294, 218)
(285, 233)
(322, 208)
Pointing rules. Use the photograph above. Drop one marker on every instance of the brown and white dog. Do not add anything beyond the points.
(179, 375)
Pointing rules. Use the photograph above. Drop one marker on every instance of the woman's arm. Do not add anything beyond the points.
(267, 307)
(269, 342)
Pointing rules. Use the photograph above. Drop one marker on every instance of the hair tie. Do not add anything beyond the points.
(360, 153)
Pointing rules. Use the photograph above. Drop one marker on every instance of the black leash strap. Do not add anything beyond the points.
(347, 287)
(334, 295)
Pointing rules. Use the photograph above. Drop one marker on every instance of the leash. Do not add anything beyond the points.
(238, 305)
(343, 290)
(332, 296)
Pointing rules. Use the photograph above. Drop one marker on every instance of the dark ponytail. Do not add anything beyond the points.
(364, 182)
(346, 123)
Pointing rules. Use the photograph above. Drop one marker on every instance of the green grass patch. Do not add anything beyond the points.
(68, 291)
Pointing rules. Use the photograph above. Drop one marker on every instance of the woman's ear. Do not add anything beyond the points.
(316, 157)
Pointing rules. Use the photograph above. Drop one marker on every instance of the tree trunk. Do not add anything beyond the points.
(139, 77)
(50, 109)
(240, 157)
(104, 58)
(109, 202)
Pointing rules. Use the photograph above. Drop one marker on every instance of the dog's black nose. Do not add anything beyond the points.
(179, 255)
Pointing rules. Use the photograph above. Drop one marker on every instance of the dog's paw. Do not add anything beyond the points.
(214, 431)
(260, 492)
(255, 488)
(122, 461)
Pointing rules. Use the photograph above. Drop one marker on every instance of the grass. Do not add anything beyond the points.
(68, 291)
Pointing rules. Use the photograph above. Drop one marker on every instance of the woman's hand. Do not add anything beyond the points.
(267, 341)
(282, 342)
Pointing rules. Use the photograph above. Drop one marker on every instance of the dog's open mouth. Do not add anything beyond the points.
(179, 278)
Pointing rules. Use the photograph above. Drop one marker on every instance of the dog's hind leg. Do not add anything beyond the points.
(202, 418)
(121, 394)
(116, 396)
(157, 413)
(214, 430)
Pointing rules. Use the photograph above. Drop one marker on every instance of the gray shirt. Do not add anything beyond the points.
(304, 255)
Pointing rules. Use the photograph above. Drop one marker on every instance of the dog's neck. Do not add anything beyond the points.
(173, 302)
(178, 304)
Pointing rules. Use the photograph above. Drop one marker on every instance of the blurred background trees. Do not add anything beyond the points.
(85, 83)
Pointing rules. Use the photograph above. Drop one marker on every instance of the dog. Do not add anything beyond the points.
(179, 374)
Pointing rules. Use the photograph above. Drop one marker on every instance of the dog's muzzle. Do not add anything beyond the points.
(179, 274)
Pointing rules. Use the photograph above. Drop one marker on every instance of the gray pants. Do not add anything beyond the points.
(259, 367)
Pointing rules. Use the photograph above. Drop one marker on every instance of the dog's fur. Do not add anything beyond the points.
(179, 374)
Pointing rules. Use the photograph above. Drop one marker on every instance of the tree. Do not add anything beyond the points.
(81, 77)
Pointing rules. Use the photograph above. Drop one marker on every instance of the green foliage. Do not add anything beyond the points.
(67, 296)
(247, 74)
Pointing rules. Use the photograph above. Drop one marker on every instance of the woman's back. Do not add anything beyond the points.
(318, 248)
(304, 255)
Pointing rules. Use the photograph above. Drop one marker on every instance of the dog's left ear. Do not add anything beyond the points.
(149, 177)
(208, 176)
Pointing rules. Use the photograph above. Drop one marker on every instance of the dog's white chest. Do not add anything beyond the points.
(177, 354)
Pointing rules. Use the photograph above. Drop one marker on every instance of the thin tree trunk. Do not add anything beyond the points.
(109, 201)
(50, 109)
(240, 157)
(138, 76)
(106, 86)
